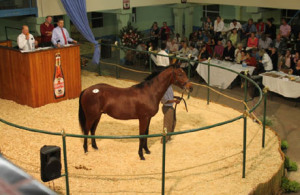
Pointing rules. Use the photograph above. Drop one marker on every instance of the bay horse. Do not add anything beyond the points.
(139, 101)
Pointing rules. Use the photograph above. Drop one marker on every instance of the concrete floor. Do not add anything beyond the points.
(283, 112)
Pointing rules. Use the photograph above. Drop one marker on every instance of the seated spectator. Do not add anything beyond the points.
(274, 58)
(173, 46)
(184, 51)
(296, 70)
(46, 29)
(264, 42)
(287, 60)
(243, 56)
(193, 51)
(210, 44)
(219, 49)
(233, 37)
(285, 29)
(218, 27)
(25, 40)
(208, 26)
(141, 47)
(228, 52)
(298, 43)
(200, 35)
(205, 36)
(248, 28)
(178, 39)
(249, 60)
(260, 28)
(161, 61)
(280, 44)
(168, 43)
(295, 59)
(193, 38)
(255, 54)
(252, 41)
(203, 55)
(238, 53)
(235, 25)
(265, 61)
(270, 29)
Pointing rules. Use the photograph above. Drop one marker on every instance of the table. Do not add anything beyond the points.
(282, 84)
(219, 77)
(28, 78)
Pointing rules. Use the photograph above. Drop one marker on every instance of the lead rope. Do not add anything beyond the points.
(180, 98)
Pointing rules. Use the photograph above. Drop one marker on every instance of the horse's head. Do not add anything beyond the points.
(180, 79)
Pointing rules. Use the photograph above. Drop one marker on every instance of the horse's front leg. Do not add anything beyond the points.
(143, 128)
(146, 141)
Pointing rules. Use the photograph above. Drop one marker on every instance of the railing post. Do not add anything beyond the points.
(208, 80)
(65, 161)
(265, 91)
(245, 126)
(163, 161)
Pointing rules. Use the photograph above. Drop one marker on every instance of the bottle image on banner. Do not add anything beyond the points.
(58, 80)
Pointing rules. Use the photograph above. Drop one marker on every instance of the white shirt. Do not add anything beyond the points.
(169, 95)
(237, 26)
(218, 27)
(267, 62)
(162, 60)
(24, 44)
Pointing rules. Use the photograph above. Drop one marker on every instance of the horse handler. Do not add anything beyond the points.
(169, 112)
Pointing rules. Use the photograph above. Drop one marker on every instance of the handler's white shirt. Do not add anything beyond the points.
(162, 60)
(24, 44)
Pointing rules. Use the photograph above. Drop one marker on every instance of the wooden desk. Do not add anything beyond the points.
(27, 78)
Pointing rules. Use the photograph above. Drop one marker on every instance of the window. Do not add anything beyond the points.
(97, 19)
(211, 11)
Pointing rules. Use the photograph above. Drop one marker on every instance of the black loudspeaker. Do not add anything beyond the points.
(50, 163)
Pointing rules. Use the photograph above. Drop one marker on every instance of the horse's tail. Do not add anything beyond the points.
(81, 115)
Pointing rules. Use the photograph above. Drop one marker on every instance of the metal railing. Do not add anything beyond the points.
(247, 112)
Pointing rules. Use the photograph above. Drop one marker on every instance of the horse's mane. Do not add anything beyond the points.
(149, 79)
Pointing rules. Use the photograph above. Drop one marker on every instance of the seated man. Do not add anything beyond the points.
(25, 40)
(46, 32)
(60, 35)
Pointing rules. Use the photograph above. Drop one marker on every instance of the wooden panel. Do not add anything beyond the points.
(7, 43)
(27, 78)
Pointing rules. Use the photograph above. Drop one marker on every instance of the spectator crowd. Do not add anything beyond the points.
(259, 44)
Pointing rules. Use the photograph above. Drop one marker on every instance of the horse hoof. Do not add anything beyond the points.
(143, 158)
(148, 152)
(95, 147)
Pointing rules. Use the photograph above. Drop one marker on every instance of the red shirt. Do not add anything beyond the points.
(43, 28)
(251, 61)
(252, 42)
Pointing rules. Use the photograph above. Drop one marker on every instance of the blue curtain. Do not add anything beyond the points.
(76, 10)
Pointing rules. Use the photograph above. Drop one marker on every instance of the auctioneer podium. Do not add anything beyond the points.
(28, 78)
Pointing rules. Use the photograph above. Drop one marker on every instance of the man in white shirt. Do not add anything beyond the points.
(218, 27)
(161, 61)
(60, 35)
(25, 40)
(235, 24)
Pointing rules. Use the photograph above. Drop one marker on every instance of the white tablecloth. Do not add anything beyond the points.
(281, 85)
(219, 77)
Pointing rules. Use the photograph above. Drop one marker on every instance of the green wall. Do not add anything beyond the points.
(145, 16)
(110, 26)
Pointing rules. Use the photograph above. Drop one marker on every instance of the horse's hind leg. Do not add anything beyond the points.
(146, 141)
(93, 130)
(86, 131)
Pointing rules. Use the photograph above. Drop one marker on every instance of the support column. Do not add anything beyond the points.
(67, 24)
(123, 17)
(189, 12)
(178, 20)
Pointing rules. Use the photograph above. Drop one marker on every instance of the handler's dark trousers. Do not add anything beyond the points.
(169, 119)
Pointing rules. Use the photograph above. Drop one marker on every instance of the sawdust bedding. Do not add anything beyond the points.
(205, 162)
